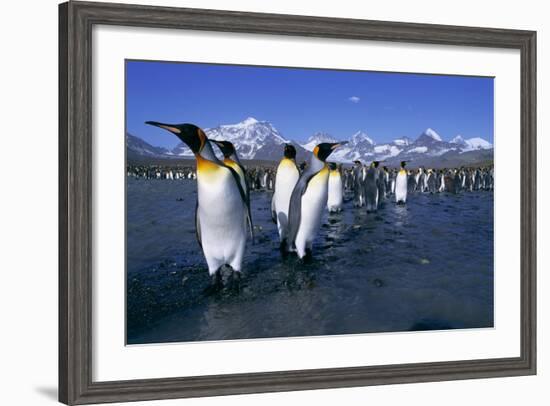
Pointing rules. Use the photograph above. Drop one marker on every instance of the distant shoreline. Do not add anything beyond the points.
(451, 162)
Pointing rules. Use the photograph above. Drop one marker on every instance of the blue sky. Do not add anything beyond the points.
(300, 102)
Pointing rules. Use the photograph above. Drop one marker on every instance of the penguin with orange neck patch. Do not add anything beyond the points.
(335, 188)
(285, 180)
(221, 214)
(401, 184)
(308, 201)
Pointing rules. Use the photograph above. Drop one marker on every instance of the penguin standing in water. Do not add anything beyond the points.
(431, 181)
(411, 182)
(420, 182)
(263, 178)
(456, 182)
(358, 192)
(477, 179)
(308, 201)
(348, 180)
(285, 180)
(270, 180)
(372, 191)
(335, 189)
(381, 183)
(401, 185)
(393, 176)
(221, 214)
(385, 182)
(440, 181)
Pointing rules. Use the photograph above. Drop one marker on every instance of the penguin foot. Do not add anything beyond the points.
(216, 284)
(234, 283)
(308, 257)
(283, 248)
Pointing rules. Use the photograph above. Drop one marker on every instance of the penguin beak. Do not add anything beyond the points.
(338, 144)
(169, 127)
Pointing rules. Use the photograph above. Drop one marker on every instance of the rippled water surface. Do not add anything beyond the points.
(426, 265)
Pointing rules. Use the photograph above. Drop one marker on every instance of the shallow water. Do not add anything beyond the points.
(426, 265)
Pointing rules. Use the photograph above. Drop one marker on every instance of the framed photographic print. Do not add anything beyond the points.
(257, 202)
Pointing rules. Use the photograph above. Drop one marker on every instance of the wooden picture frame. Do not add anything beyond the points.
(76, 20)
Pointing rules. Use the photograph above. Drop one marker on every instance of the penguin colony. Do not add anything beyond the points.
(301, 193)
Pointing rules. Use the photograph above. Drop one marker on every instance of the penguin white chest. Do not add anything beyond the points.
(335, 191)
(314, 201)
(401, 187)
(221, 218)
(285, 181)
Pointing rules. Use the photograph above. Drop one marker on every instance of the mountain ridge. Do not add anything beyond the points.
(260, 140)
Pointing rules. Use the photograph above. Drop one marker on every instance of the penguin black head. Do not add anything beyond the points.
(226, 147)
(332, 166)
(290, 151)
(357, 162)
(323, 150)
(403, 163)
(190, 134)
(375, 164)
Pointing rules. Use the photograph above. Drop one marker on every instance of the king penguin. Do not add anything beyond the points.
(431, 181)
(221, 214)
(372, 192)
(335, 189)
(308, 200)
(358, 192)
(401, 185)
(285, 180)
(420, 180)
(231, 159)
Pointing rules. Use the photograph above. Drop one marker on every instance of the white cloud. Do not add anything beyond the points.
(354, 99)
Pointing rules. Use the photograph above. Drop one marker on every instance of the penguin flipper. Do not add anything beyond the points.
(249, 222)
(273, 211)
(245, 195)
(247, 201)
(198, 225)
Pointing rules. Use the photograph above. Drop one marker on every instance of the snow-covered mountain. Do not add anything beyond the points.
(135, 146)
(260, 140)
(471, 144)
(402, 142)
(429, 136)
(429, 144)
(359, 146)
(316, 139)
(253, 139)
